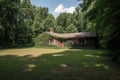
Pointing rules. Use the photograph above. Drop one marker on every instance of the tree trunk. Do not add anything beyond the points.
(7, 32)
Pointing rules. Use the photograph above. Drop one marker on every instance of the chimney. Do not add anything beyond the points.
(51, 29)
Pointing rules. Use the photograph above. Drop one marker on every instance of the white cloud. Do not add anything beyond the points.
(71, 10)
(60, 9)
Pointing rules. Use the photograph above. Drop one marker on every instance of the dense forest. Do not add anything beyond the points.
(21, 22)
(103, 17)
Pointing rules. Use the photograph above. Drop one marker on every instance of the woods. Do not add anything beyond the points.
(16, 20)
(103, 18)
(21, 22)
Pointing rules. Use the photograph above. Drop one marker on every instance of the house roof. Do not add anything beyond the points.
(72, 35)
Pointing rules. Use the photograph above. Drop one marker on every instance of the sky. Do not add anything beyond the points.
(57, 6)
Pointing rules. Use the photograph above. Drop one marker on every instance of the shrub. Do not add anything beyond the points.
(68, 43)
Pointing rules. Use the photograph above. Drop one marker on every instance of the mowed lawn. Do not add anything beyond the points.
(56, 64)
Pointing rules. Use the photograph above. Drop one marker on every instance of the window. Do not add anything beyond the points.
(51, 41)
(82, 41)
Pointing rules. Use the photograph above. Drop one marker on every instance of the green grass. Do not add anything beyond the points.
(58, 64)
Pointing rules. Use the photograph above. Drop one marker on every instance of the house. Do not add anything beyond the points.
(71, 40)
(80, 39)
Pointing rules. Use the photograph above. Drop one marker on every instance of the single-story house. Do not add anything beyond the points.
(80, 39)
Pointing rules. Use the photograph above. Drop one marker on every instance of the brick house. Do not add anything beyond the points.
(80, 39)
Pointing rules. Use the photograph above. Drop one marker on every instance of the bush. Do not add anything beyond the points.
(68, 43)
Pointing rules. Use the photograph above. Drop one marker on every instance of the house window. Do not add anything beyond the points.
(51, 41)
(82, 41)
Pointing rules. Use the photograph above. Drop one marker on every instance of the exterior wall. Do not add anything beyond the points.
(75, 42)
(87, 42)
(57, 42)
(60, 43)
(81, 43)
(52, 42)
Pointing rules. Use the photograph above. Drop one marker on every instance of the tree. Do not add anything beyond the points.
(49, 22)
(80, 21)
(62, 20)
(71, 28)
(43, 21)
(8, 18)
(59, 29)
(104, 19)
(25, 20)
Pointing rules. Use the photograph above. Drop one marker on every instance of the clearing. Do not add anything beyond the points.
(56, 64)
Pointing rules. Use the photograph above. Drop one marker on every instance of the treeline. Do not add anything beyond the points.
(16, 18)
(103, 17)
(21, 22)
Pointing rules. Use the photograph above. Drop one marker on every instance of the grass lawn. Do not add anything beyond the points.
(56, 64)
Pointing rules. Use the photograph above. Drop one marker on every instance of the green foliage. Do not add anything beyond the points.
(104, 19)
(59, 29)
(8, 18)
(42, 40)
(21, 22)
(49, 22)
(43, 21)
(15, 21)
(71, 29)
(23, 31)
(62, 20)
(68, 43)
(76, 20)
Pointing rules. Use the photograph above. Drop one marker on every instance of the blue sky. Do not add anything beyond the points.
(57, 6)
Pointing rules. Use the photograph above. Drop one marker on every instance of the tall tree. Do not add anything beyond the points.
(49, 22)
(104, 19)
(62, 20)
(8, 19)
(26, 17)
(65, 21)
(43, 21)
(79, 20)
(41, 14)
(71, 28)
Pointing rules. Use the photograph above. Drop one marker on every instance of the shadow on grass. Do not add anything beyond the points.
(21, 47)
(67, 65)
